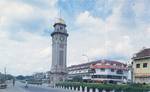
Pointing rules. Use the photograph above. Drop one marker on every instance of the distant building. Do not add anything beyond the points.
(141, 66)
(1, 75)
(47, 74)
(39, 75)
(43, 76)
(100, 71)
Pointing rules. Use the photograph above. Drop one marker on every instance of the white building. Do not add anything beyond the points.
(100, 71)
(39, 75)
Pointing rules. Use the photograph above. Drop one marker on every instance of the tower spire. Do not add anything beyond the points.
(59, 19)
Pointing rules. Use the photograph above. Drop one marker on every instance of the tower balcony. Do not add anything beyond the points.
(55, 32)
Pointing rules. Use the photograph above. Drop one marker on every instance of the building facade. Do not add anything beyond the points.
(105, 71)
(141, 66)
(59, 51)
(39, 75)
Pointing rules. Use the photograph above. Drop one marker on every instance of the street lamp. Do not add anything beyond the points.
(5, 75)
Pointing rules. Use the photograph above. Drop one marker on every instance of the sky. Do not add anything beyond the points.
(98, 29)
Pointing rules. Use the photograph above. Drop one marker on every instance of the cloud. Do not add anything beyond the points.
(104, 29)
(23, 15)
(87, 21)
(112, 38)
(25, 57)
(23, 48)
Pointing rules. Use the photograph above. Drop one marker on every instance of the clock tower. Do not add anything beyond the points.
(59, 51)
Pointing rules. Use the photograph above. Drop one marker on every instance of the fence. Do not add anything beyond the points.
(85, 87)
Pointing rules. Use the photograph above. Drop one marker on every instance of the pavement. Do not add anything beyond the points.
(19, 87)
(10, 88)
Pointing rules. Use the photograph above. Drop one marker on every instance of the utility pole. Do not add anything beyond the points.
(5, 74)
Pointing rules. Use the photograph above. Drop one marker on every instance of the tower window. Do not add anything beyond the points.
(57, 29)
(144, 65)
(61, 28)
(61, 58)
(137, 65)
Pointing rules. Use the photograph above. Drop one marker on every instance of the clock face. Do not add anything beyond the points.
(62, 38)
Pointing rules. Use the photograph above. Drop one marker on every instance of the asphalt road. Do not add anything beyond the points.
(20, 87)
(40, 89)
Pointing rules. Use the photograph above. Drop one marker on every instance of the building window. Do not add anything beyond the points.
(102, 69)
(144, 65)
(61, 58)
(112, 70)
(107, 76)
(91, 71)
(137, 65)
(119, 71)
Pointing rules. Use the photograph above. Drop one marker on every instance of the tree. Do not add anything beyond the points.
(77, 78)
(20, 77)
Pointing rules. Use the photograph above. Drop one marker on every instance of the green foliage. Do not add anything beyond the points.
(77, 78)
(37, 82)
(118, 88)
(20, 77)
(4, 77)
(9, 77)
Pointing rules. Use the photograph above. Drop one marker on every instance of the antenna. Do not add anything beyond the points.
(60, 13)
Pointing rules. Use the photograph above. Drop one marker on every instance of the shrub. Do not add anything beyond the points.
(118, 88)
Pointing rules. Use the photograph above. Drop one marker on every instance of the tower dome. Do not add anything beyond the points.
(60, 21)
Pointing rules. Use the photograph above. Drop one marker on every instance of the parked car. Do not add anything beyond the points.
(3, 85)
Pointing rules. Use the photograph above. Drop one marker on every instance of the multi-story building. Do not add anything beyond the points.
(1, 76)
(39, 75)
(100, 71)
(141, 66)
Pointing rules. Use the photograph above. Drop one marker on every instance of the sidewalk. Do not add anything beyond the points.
(47, 87)
(19, 87)
(10, 88)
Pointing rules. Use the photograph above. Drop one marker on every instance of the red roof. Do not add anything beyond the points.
(98, 61)
(142, 54)
(109, 66)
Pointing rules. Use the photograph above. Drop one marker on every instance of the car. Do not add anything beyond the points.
(3, 86)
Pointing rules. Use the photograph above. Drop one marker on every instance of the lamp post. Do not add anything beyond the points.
(5, 74)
